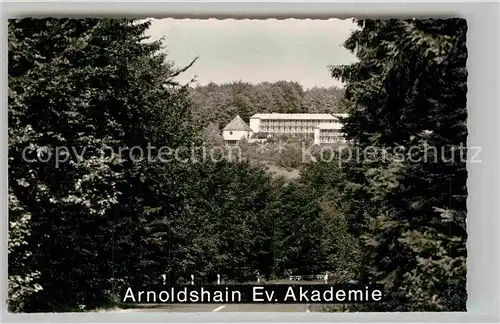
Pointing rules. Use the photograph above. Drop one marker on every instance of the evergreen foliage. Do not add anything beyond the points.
(81, 229)
(408, 90)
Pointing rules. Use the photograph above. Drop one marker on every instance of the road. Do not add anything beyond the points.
(195, 308)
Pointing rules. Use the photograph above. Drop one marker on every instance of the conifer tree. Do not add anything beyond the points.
(408, 90)
(91, 86)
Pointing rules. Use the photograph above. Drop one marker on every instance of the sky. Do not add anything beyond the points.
(256, 50)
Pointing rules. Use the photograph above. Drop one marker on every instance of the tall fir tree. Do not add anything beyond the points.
(408, 91)
(91, 86)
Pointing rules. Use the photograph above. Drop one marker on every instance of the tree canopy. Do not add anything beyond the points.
(90, 212)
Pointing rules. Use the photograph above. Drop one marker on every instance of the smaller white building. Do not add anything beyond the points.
(329, 133)
(235, 131)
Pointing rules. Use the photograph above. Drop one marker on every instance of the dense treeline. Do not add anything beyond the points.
(408, 91)
(81, 230)
(219, 103)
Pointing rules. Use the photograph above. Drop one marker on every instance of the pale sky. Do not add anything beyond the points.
(256, 50)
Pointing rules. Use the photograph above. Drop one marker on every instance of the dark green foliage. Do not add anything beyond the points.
(292, 212)
(82, 229)
(409, 89)
(89, 85)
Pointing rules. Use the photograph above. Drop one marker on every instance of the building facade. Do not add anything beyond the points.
(324, 128)
(329, 133)
(235, 131)
(297, 124)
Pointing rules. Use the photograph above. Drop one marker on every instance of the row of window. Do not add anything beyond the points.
(314, 122)
(329, 132)
(287, 129)
(331, 139)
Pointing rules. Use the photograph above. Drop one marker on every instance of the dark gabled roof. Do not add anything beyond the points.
(237, 124)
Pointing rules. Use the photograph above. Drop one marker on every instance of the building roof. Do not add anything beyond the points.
(294, 116)
(329, 126)
(237, 124)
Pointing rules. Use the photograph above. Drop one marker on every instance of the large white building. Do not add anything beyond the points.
(288, 123)
(300, 124)
(324, 128)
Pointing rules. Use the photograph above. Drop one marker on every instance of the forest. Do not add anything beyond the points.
(80, 232)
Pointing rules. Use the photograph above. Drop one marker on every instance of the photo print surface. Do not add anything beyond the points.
(200, 165)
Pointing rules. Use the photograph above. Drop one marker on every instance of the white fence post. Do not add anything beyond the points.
(218, 279)
(192, 279)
